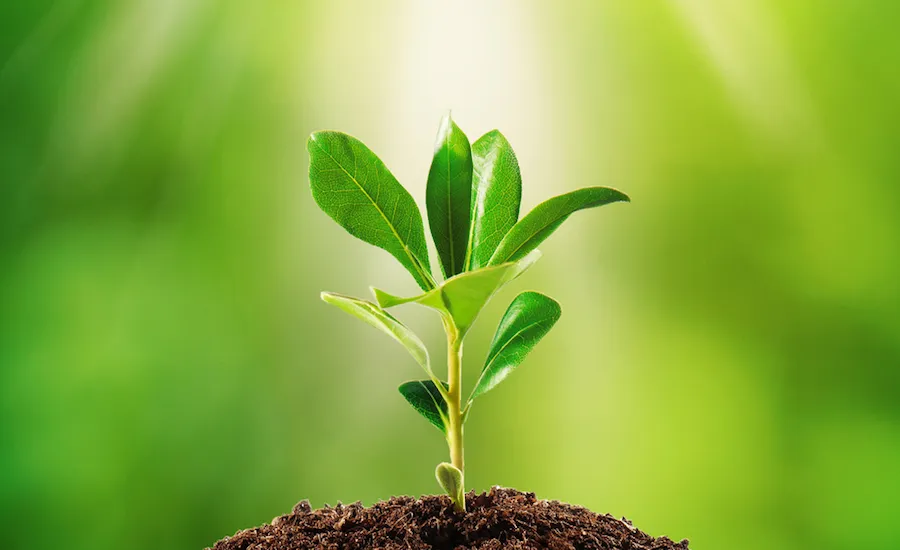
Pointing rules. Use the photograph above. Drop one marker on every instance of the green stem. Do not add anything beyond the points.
(454, 407)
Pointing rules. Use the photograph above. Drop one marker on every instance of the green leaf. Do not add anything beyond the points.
(383, 321)
(427, 399)
(451, 480)
(448, 196)
(538, 224)
(353, 186)
(496, 195)
(432, 299)
(463, 296)
(529, 317)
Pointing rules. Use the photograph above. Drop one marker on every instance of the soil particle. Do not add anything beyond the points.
(501, 519)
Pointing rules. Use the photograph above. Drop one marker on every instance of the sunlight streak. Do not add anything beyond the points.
(744, 43)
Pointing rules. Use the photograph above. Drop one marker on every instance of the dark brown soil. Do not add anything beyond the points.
(503, 518)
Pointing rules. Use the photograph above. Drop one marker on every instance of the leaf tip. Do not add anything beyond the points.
(444, 130)
(618, 196)
(553, 307)
(382, 298)
(315, 143)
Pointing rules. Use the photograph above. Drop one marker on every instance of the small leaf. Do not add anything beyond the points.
(529, 317)
(383, 321)
(546, 217)
(353, 186)
(426, 398)
(432, 299)
(386, 299)
(448, 196)
(496, 195)
(463, 296)
(451, 480)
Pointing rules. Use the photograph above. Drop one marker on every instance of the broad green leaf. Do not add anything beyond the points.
(496, 194)
(427, 399)
(538, 224)
(385, 322)
(448, 196)
(353, 186)
(529, 317)
(463, 296)
(451, 480)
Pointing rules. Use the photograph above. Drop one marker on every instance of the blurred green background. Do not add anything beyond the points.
(727, 368)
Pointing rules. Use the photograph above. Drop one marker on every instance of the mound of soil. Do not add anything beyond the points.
(501, 519)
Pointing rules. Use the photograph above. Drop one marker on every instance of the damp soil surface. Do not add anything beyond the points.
(501, 519)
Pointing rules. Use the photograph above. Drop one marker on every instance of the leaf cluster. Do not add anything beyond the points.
(473, 197)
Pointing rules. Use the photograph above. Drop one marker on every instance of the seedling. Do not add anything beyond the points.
(472, 195)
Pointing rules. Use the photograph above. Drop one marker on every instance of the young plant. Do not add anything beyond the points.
(472, 195)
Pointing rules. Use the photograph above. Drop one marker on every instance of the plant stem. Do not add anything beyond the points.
(454, 406)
